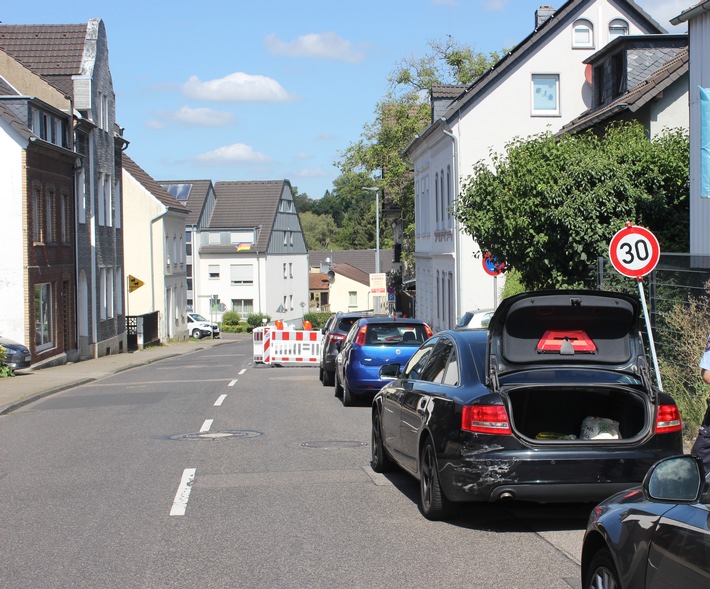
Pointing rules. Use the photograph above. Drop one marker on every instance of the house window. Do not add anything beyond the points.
(108, 201)
(285, 276)
(81, 195)
(241, 274)
(102, 201)
(545, 94)
(290, 302)
(109, 293)
(436, 198)
(36, 215)
(583, 34)
(102, 293)
(448, 195)
(352, 298)
(213, 270)
(244, 307)
(290, 269)
(49, 216)
(119, 290)
(65, 218)
(44, 317)
(618, 28)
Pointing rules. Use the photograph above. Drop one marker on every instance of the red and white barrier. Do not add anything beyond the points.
(282, 346)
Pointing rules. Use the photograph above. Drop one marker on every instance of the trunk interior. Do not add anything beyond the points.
(546, 413)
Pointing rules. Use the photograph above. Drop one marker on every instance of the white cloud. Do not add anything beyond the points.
(236, 87)
(322, 45)
(494, 5)
(155, 125)
(201, 117)
(312, 173)
(237, 153)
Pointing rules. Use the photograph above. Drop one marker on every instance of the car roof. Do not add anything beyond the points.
(392, 320)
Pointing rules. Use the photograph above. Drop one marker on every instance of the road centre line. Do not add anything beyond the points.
(183, 493)
(220, 400)
(231, 384)
(242, 371)
(206, 425)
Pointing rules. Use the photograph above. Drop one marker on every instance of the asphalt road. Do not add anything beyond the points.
(206, 471)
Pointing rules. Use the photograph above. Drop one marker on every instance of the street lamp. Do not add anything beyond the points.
(377, 237)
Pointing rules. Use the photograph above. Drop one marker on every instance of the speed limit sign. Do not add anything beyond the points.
(634, 251)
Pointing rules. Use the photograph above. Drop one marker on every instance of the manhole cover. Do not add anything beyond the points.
(334, 444)
(228, 435)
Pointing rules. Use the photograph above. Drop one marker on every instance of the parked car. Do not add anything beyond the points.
(198, 326)
(17, 355)
(335, 330)
(553, 403)
(475, 319)
(655, 535)
(371, 343)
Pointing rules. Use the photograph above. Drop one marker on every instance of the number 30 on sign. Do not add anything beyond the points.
(634, 251)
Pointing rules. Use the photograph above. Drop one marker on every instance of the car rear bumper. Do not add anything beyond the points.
(547, 476)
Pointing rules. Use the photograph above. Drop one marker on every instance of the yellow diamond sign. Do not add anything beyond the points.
(134, 283)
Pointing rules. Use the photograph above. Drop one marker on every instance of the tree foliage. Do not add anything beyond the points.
(549, 206)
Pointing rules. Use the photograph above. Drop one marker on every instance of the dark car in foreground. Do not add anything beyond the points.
(653, 536)
(553, 403)
(335, 331)
(17, 355)
(371, 343)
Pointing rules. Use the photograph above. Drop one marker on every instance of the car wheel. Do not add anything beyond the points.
(602, 572)
(347, 396)
(196, 333)
(327, 378)
(338, 387)
(380, 462)
(434, 504)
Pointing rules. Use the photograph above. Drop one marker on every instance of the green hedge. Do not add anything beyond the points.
(317, 319)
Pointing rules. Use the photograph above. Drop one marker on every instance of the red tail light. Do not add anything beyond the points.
(668, 419)
(336, 337)
(428, 330)
(485, 419)
(360, 337)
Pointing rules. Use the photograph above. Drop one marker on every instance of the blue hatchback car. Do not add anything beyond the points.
(371, 343)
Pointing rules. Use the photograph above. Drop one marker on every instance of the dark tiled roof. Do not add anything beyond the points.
(318, 281)
(196, 201)
(145, 180)
(351, 272)
(446, 90)
(15, 123)
(362, 259)
(247, 204)
(635, 98)
(54, 52)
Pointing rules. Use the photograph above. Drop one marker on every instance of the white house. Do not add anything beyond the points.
(698, 19)
(252, 255)
(155, 252)
(542, 84)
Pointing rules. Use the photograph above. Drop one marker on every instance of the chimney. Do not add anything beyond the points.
(542, 14)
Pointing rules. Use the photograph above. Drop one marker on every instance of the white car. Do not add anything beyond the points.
(199, 327)
(475, 319)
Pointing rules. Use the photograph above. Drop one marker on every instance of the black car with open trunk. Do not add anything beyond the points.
(554, 402)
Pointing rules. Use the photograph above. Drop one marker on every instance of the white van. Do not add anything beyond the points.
(198, 326)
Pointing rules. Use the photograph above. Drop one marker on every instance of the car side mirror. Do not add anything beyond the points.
(676, 479)
(389, 372)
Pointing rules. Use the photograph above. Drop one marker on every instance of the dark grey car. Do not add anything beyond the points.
(654, 536)
(17, 355)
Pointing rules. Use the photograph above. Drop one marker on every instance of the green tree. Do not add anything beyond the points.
(317, 230)
(549, 206)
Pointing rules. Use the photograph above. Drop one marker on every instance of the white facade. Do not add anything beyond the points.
(347, 295)
(155, 255)
(12, 221)
(507, 104)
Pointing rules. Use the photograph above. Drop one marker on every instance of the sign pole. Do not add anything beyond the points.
(651, 343)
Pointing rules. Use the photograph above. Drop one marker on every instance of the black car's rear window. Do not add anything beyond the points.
(346, 323)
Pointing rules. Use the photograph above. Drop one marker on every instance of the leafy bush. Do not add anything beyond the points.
(5, 370)
(317, 319)
(231, 318)
(256, 319)
(686, 333)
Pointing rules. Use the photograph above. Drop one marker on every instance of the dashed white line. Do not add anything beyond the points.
(242, 371)
(183, 492)
(231, 384)
(220, 400)
(206, 425)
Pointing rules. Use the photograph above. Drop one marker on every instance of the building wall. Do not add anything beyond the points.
(699, 40)
(289, 285)
(12, 224)
(340, 290)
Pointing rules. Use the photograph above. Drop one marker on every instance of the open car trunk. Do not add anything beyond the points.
(590, 414)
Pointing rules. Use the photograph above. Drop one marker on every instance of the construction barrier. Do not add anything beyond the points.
(282, 346)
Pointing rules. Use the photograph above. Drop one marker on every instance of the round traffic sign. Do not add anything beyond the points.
(491, 265)
(634, 251)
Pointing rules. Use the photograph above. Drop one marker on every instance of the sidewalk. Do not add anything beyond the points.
(29, 385)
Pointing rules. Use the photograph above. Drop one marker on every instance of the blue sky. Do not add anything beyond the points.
(267, 90)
